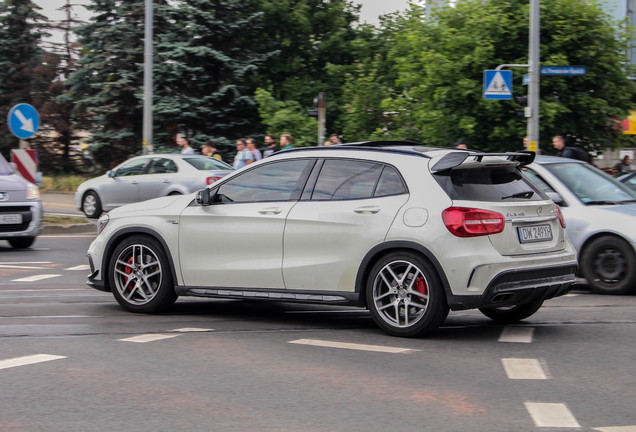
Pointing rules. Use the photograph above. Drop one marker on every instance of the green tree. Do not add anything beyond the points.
(21, 26)
(287, 118)
(439, 61)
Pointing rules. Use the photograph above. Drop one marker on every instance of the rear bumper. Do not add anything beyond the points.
(515, 287)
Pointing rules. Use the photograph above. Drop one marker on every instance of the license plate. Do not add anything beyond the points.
(10, 219)
(535, 233)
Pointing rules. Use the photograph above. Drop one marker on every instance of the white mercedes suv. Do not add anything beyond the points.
(407, 231)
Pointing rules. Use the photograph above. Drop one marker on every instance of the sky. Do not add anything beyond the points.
(370, 11)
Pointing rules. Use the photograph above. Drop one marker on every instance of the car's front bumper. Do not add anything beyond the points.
(31, 225)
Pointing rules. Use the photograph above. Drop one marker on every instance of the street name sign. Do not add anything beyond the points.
(497, 84)
(563, 70)
(23, 120)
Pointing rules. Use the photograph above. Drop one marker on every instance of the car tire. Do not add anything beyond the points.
(509, 314)
(139, 276)
(21, 242)
(609, 265)
(174, 193)
(405, 296)
(91, 205)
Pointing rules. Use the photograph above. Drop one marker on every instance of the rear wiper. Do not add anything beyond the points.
(526, 195)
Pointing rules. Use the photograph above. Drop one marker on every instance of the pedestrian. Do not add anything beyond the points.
(183, 143)
(624, 167)
(209, 149)
(256, 153)
(461, 145)
(526, 145)
(562, 150)
(243, 155)
(286, 142)
(334, 139)
(272, 147)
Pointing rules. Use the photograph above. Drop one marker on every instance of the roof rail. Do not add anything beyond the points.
(381, 143)
(454, 159)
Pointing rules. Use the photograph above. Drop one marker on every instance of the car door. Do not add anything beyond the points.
(237, 241)
(160, 174)
(123, 187)
(348, 211)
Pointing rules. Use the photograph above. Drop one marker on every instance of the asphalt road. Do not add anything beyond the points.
(72, 360)
(59, 204)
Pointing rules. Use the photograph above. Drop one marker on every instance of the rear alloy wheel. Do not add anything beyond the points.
(91, 205)
(21, 242)
(609, 265)
(405, 296)
(509, 314)
(139, 276)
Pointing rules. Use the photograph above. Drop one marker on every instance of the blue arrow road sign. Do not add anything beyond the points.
(563, 70)
(497, 84)
(23, 120)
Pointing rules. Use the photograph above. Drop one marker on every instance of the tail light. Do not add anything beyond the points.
(560, 216)
(470, 222)
(210, 180)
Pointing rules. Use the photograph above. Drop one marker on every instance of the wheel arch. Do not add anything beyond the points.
(383, 249)
(125, 233)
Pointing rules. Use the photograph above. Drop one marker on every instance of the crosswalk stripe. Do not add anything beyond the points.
(617, 429)
(191, 330)
(36, 278)
(551, 415)
(351, 346)
(518, 368)
(149, 338)
(27, 360)
(517, 334)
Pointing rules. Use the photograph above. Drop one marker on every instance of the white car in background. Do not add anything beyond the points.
(601, 220)
(145, 177)
(408, 232)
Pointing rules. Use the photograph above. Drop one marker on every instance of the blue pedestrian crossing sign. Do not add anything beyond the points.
(497, 84)
(23, 120)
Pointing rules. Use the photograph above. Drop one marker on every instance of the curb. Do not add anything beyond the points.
(87, 228)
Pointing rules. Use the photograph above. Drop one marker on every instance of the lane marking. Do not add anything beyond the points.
(149, 338)
(49, 316)
(27, 360)
(25, 262)
(518, 368)
(551, 415)
(572, 295)
(191, 330)
(517, 334)
(351, 346)
(617, 429)
(21, 267)
(36, 278)
(80, 267)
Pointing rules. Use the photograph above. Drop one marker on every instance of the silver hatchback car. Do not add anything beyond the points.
(601, 220)
(406, 231)
(150, 176)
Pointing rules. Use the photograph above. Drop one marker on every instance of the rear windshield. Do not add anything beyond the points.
(494, 184)
(204, 164)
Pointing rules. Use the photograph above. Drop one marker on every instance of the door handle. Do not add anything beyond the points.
(367, 210)
(166, 180)
(271, 210)
(134, 182)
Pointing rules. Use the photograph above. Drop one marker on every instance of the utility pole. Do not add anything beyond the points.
(321, 103)
(534, 69)
(146, 144)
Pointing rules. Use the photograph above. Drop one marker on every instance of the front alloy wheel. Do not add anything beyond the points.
(404, 295)
(139, 276)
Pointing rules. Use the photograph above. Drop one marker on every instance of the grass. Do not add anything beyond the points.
(62, 182)
(64, 220)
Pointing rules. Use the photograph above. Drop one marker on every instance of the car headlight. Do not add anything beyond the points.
(102, 222)
(32, 191)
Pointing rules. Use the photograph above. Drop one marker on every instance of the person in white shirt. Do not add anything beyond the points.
(251, 146)
(183, 143)
(243, 155)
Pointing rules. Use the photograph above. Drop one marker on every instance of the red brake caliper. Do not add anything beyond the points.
(420, 285)
(129, 270)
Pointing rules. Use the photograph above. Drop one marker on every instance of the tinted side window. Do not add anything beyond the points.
(162, 166)
(346, 179)
(134, 167)
(537, 180)
(390, 183)
(271, 182)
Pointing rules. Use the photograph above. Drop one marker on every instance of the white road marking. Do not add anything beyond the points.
(191, 330)
(26, 262)
(551, 415)
(80, 267)
(517, 334)
(518, 368)
(351, 346)
(36, 278)
(69, 236)
(572, 295)
(32, 359)
(21, 267)
(149, 338)
(617, 429)
(50, 316)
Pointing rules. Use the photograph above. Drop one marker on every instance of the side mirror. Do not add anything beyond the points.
(556, 197)
(111, 174)
(203, 197)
